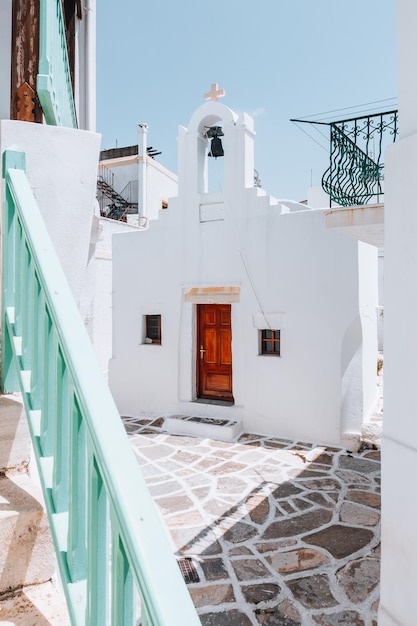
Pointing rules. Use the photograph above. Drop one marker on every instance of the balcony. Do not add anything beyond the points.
(354, 180)
(355, 176)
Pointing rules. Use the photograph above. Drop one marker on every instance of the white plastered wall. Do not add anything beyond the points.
(102, 328)
(61, 165)
(399, 508)
(398, 603)
(161, 185)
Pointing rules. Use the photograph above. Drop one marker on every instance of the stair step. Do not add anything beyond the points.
(25, 541)
(15, 439)
(38, 604)
(223, 429)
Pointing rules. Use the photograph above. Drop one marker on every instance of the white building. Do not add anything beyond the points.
(399, 444)
(233, 304)
(131, 178)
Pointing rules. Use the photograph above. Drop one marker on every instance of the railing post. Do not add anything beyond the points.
(62, 434)
(9, 379)
(49, 401)
(36, 380)
(97, 540)
(27, 311)
(122, 584)
(18, 296)
(77, 539)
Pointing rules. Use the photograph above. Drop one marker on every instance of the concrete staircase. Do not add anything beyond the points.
(29, 592)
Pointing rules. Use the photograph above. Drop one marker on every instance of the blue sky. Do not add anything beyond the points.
(276, 60)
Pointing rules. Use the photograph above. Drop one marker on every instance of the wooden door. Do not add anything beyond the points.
(24, 104)
(214, 352)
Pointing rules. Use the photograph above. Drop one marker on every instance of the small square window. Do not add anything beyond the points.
(270, 342)
(153, 329)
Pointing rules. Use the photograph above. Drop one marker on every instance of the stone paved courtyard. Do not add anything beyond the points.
(268, 531)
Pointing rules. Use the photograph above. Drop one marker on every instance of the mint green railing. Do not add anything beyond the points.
(53, 82)
(110, 544)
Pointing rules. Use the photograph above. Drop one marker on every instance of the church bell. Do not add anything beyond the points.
(216, 148)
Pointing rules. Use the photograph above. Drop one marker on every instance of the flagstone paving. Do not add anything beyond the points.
(268, 531)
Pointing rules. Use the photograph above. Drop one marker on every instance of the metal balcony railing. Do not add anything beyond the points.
(110, 545)
(356, 172)
(54, 79)
(115, 204)
(130, 192)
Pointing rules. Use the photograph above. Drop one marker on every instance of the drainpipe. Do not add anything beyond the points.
(90, 69)
(85, 64)
(142, 158)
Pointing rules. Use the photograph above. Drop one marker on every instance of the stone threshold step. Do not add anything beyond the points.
(222, 429)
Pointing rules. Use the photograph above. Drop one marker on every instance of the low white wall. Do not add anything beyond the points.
(102, 327)
(380, 309)
(317, 198)
(368, 310)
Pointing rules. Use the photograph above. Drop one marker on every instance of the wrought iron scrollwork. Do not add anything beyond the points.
(355, 175)
(353, 178)
(356, 172)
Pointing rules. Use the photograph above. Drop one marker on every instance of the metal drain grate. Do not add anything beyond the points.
(188, 570)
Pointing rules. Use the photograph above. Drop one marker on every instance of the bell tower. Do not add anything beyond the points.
(215, 131)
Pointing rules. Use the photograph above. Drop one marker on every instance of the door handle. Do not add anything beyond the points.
(202, 351)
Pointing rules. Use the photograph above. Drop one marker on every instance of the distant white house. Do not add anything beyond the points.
(234, 304)
(132, 184)
(132, 188)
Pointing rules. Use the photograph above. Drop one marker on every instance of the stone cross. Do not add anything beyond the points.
(215, 93)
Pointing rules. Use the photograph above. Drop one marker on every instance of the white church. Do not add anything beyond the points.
(235, 305)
